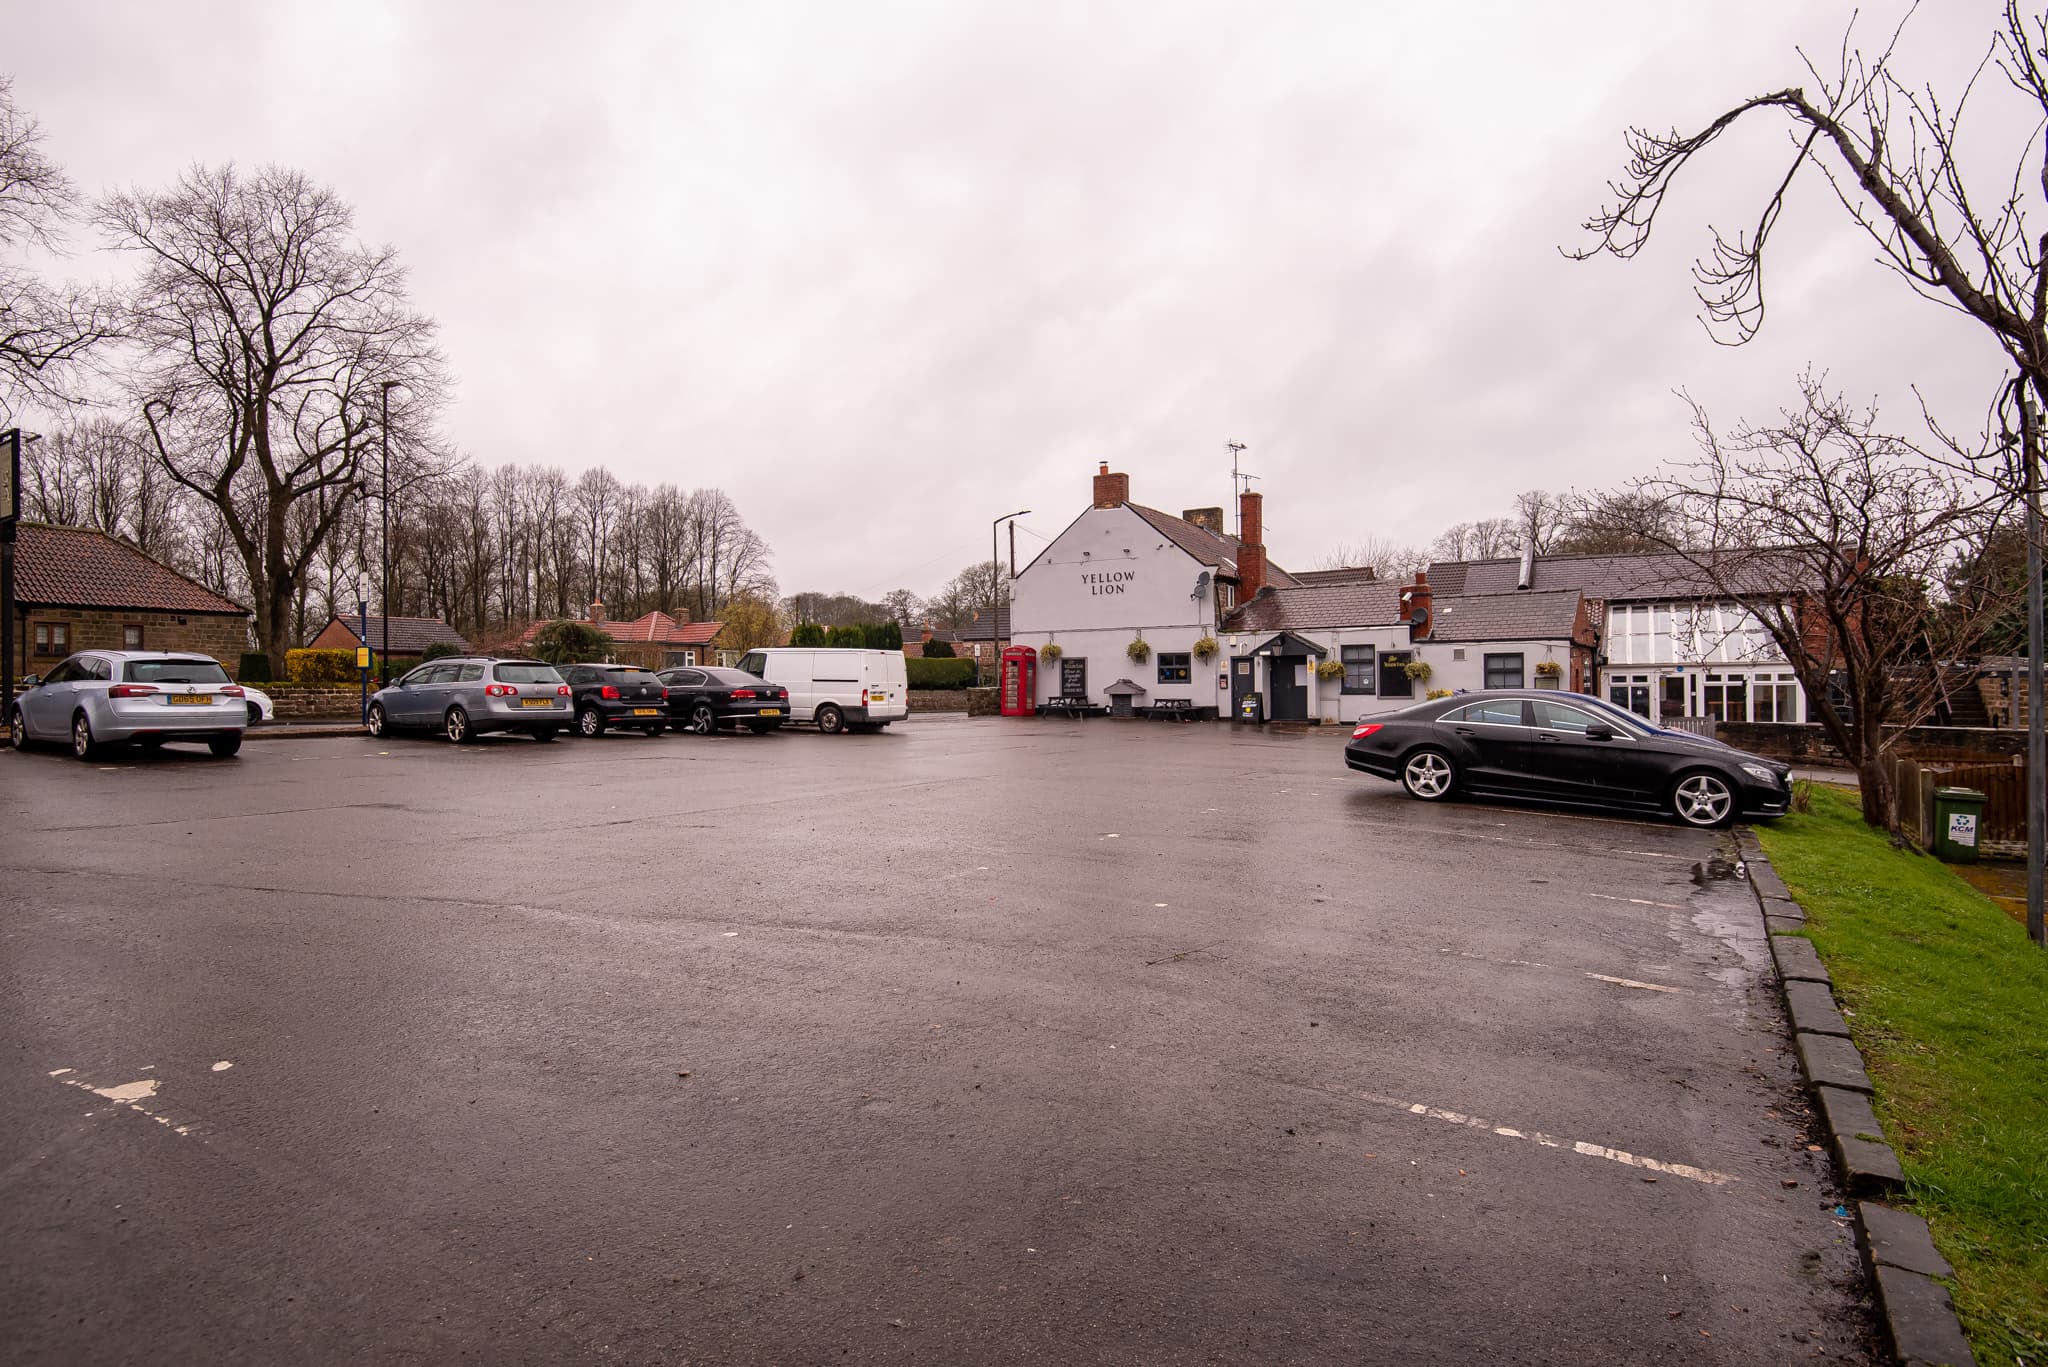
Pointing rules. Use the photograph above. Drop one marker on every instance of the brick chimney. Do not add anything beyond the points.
(1251, 552)
(597, 612)
(1111, 490)
(1208, 519)
(1418, 595)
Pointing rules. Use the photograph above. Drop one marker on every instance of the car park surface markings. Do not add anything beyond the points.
(1631, 982)
(139, 1097)
(1531, 963)
(1636, 901)
(1585, 1148)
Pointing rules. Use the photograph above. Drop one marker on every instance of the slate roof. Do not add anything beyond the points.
(409, 635)
(1218, 552)
(1368, 604)
(77, 567)
(1616, 578)
(1355, 574)
(653, 628)
(977, 630)
(1532, 616)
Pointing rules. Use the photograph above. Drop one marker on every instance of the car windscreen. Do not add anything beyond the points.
(527, 673)
(174, 671)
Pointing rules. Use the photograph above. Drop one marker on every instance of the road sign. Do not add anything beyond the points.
(362, 657)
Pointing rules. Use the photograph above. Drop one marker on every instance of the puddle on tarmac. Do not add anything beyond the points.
(1723, 908)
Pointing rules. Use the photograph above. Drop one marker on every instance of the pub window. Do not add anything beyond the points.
(131, 637)
(1358, 668)
(1394, 680)
(1173, 668)
(1504, 671)
(53, 638)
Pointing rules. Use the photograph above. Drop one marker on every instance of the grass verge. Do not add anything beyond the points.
(1950, 1009)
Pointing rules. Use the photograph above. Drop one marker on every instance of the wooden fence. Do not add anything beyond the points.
(2003, 832)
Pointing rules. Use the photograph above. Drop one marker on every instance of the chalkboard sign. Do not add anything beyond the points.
(1073, 677)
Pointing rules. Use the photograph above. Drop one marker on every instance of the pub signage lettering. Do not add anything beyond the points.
(1108, 581)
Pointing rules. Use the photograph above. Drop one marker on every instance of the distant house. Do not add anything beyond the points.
(654, 640)
(981, 640)
(409, 635)
(79, 589)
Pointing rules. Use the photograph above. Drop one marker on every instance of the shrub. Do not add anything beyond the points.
(254, 668)
(441, 650)
(1438, 693)
(849, 638)
(566, 641)
(320, 666)
(930, 673)
(808, 634)
(938, 650)
(884, 636)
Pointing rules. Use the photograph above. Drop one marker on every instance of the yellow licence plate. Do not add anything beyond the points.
(536, 702)
(771, 711)
(190, 699)
(646, 711)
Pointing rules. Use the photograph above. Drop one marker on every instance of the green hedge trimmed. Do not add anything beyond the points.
(253, 668)
(929, 673)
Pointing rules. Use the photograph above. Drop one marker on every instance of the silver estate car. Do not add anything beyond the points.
(464, 697)
(98, 698)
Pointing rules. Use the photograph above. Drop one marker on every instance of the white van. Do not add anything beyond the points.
(839, 689)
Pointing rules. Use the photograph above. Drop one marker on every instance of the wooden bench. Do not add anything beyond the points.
(1072, 707)
(1178, 709)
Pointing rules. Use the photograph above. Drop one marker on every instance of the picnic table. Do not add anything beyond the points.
(1073, 707)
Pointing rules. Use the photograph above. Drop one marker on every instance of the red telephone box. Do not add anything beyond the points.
(1019, 682)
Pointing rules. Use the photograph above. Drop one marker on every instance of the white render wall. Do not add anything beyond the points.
(1106, 580)
(1328, 701)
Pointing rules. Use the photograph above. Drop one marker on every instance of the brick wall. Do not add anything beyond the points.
(222, 637)
(938, 699)
(1809, 744)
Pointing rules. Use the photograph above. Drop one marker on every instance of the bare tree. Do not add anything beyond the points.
(1894, 155)
(44, 329)
(904, 608)
(1835, 537)
(266, 331)
(1487, 539)
(1387, 558)
(1612, 522)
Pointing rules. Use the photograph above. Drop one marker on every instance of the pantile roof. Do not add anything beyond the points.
(409, 635)
(78, 567)
(653, 628)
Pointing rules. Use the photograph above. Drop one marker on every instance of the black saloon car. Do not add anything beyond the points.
(1562, 747)
(625, 696)
(704, 699)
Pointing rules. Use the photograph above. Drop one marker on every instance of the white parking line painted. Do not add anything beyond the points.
(136, 1096)
(222, 1066)
(1636, 901)
(1631, 982)
(1707, 1176)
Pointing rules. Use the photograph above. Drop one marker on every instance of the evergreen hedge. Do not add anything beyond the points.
(253, 668)
(942, 673)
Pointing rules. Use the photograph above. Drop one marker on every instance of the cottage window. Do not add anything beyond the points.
(53, 639)
(1504, 671)
(1173, 668)
(131, 637)
(1358, 668)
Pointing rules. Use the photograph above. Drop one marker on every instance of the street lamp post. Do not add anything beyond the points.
(384, 589)
(10, 513)
(995, 571)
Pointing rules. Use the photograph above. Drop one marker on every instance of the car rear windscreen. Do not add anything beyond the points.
(518, 674)
(734, 676)
(636, 676)
(174, 671)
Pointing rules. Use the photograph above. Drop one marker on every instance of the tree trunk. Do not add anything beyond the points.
(1880, 798)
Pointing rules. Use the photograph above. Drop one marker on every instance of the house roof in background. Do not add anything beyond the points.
(1511, 616)
(81, 568)
(409, 635)
(1638, 575)
(977, 630)
(1355, 574)
(653, 628)
(1218, 552)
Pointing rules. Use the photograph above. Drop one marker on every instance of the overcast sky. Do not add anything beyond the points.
(885, 272)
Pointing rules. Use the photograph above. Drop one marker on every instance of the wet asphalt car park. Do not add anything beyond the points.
(1062, 1042)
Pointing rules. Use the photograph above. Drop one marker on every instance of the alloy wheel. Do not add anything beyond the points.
(17, 730)
(1702, 800)
(81, 737)
(589, 723)
(458, 725)
(701, 720)
(376, 722)
(1428, 775)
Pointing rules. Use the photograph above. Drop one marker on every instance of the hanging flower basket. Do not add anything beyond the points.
(1330, 669)
(1139, 652)
(1205, 649)
(1418, 671)
(1548, 669)
(1049, 651)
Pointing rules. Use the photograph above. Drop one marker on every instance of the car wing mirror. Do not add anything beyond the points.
(1599, 731)
(31, 680)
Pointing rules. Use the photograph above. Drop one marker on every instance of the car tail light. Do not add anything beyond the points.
(608, 692)
(562, 691)
(863, 697)
(743, 692)
(499, 690)
(234, 691)
(131, 690)
(1367, 729)
(665, 695)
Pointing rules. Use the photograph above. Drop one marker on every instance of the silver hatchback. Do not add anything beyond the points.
(98, 698)
(465, 697)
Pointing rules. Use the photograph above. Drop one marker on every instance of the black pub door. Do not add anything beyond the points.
(1286, 686)
(1240, 683)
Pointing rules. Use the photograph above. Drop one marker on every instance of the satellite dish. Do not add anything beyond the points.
(1201, 584)
(1420, 615)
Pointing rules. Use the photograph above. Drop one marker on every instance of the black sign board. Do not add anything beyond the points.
(1074, 677)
